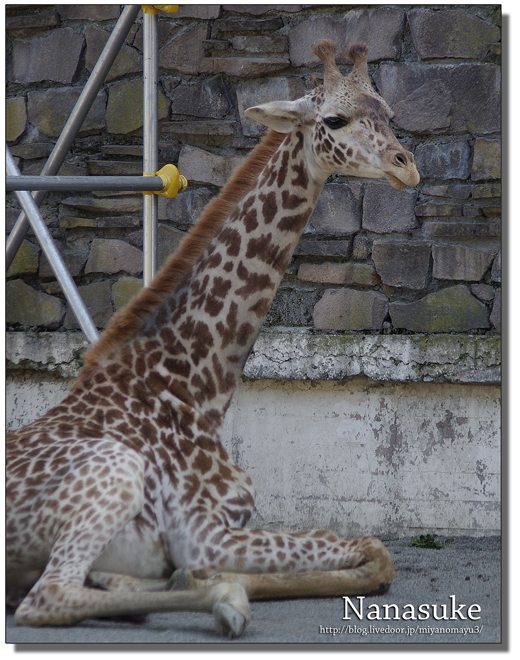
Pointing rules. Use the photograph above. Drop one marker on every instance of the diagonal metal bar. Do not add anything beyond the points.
(54, 258)
(77, 116)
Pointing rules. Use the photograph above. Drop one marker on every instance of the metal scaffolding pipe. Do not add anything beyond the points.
(150, 140)
(77, 116)
(130, 183)
(54, 258)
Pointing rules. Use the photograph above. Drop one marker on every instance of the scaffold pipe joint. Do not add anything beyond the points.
(173, 182)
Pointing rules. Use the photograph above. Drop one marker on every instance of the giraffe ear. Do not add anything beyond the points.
(282, 116)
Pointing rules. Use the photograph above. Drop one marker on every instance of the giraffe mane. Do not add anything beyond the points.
(126, 322)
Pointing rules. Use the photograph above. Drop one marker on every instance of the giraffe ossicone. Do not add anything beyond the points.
(126, 485)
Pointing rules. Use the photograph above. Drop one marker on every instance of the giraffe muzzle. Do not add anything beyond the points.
(402, 171)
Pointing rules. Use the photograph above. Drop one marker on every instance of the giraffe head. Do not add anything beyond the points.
(345, 124)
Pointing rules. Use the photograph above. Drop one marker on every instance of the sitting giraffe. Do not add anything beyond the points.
(122, 499)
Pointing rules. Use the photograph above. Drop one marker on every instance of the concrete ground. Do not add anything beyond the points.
(466, 571)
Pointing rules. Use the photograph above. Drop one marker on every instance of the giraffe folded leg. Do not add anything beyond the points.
(374, 576)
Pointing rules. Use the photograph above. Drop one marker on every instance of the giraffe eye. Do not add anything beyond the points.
(335, 122)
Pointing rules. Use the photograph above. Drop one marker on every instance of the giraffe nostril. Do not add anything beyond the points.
(400, 160)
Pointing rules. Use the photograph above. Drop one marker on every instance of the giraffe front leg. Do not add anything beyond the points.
(126, 583)
(230, 607)
(60, 604)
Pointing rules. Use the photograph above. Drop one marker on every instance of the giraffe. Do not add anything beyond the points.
(122, 498)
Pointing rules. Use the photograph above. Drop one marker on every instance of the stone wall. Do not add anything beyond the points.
(424, 260)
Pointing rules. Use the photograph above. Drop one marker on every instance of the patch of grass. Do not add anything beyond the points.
(426, 541)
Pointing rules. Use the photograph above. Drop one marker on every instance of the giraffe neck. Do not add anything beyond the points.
(207, 326)
(219, 310)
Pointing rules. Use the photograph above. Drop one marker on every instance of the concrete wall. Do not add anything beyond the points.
(364, 435)
(363, 457)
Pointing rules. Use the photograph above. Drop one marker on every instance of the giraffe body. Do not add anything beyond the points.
(126, 480)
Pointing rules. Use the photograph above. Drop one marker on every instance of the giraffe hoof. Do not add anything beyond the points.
(181, 580)
(229, 622)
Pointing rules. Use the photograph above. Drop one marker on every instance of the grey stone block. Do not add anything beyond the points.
(496, 270)
(456, 190)
(243, 67)
(26, 22)
(260, 45)
(89, 12)
(164, 32)
(333, 273)
(361, 247)
(125, 107)
(200, 166)
(450, 310)
(486, 160)
(98, 300)
(124, 290)
(338, 210)
(204, 98)
(309, 247)
(349, 309)
(260, 10)
(127, 61)
(451, 33)
(427, 108)
(485, 190)
(203, 12)
(28, 307)
(208, 127)
(115, 167)
(460, 262)
(103, 205)
(26, 260)
(168, 242)
(31, 151)
(50, 109)
(54, 57)
(381, 28)
(471, 110)
(483, 292)
(402, 264)
(107, 221)
(113, 256)
(15, 118)
(476, 229)
(292, 306)
(481, 113)
(231, 26)
(387, 210)
(444, 161)
(496, 312)
(11, 216)
(435, 209)
(74, 259)
(185, 52)
(186, 208)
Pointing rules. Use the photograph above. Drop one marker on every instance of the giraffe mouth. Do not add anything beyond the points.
(394, 181)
